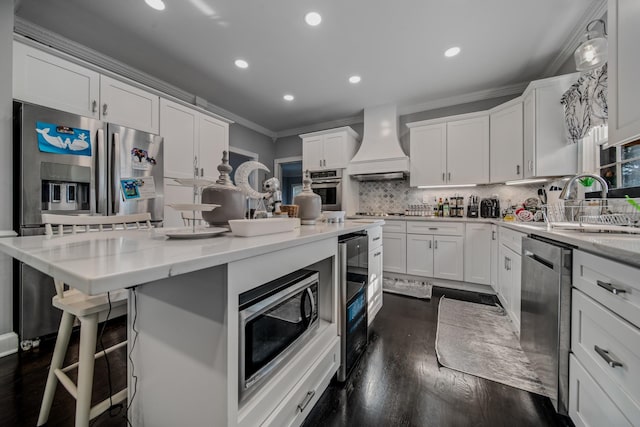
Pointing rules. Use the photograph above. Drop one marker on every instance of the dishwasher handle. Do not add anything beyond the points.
(540, 260)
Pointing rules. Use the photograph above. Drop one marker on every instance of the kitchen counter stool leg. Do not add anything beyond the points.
(86, 362)
(59, 352)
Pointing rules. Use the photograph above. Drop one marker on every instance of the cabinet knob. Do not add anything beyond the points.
(94, 106)
(104, 109)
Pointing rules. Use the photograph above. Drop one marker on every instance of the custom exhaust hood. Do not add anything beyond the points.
(380, 156)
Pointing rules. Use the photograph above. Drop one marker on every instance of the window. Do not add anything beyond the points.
(620, 166)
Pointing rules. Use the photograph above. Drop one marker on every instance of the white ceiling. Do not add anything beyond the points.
(396, 46)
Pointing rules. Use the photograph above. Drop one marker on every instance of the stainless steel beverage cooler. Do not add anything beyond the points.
(68, 164)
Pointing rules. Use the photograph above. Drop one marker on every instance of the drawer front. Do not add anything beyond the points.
(603, 280)
(375, 237)
(609, 350)
(589, 405)
(394, 227)
(511, 239)
(436, 228)
(298, 403)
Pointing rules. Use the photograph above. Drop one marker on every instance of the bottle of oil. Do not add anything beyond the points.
(445, 207)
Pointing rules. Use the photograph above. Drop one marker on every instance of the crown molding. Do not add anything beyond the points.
(347, 121)
(54, 43)
(513, 89)
(596, 11)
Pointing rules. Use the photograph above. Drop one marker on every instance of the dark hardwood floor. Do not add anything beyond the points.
(23, 377)
(397, 383)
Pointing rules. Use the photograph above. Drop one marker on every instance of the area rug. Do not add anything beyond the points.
(411, 288)
(479, 339)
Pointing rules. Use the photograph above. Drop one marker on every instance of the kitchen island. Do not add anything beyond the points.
(183, 316)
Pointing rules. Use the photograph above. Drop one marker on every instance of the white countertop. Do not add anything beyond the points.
(624, 248)
(101, 262)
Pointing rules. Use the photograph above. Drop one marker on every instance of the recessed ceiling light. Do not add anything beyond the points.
(354, 79)
(313, 18)
(452, 51)
(288, 97)
(156, 4)
(241, 63)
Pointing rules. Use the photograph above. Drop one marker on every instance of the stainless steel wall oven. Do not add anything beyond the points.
(275, 321)
(328, 184)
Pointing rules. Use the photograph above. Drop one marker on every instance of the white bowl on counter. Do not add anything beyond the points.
(333, 216)
(259, 227)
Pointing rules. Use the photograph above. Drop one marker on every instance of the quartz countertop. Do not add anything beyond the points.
(624, 248)
(100, 262)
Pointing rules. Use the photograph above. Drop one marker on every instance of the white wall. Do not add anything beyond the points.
(7, 338)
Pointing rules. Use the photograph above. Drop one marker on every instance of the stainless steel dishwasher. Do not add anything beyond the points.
(546, 314)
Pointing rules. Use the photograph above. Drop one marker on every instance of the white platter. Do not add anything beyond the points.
(193, 206)
(190, 182)
(259, 227)
(190, 233)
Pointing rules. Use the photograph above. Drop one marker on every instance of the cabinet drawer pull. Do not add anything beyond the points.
(435, 244)
(609, 287)
(493, 235)
(429, 244)
(449, 177)
(104, 109)
(605, 355)
(377, 254)
(442, 176)
(94, 106)
(517, 169)
(302, 405)
(433, 228)
(376, 238)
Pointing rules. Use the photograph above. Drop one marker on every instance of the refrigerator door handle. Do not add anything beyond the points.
(115, 173)
(101, 178)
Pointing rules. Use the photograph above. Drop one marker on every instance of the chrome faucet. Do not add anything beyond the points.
(568, 192)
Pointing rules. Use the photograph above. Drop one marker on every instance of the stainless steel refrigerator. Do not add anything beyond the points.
(64, 163)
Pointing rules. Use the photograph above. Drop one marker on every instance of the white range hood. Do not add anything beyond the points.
(380, 155)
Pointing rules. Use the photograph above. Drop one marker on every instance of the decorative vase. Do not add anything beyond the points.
(225, 194)
(309, 203)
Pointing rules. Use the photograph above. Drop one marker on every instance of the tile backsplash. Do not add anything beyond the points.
(395, 196)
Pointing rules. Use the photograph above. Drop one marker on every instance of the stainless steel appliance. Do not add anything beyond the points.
(275, 321)
(328, 184)
(74, 165)
(353, 301)
(546, 314)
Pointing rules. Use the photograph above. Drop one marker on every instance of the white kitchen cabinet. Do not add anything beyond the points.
(374, 290)
(44, 79)
(451, 150)
(428, 155)
(477, 253)
(51, 81)
(448, 257)
(506, 142)
(510, 273)
(547, 151)
(494, 257)
(420, 254)
(328, 149)
(395, 249)
(624, 64)
(128, 106)
(190, 135)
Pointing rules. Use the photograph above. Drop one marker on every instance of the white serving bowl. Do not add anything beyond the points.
(259, 227)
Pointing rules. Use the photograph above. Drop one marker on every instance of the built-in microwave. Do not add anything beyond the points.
(328, 185)
(275, 321)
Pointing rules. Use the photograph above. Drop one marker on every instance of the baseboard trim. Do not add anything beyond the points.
(8, 344)
(451, 284)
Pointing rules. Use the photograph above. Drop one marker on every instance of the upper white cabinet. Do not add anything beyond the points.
(454, 150)
(624, 65)
(328, 149)
(45, 79)
(547, 151)
(128, 106)
(191, 139)
(506, 151)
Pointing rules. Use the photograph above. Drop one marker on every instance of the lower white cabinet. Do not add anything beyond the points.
(374, 291)
(441, 257)
(395, 249)
(510, 282)
(477, 253)
(494, 257)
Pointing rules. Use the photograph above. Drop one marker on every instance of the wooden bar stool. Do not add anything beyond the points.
(89, 310)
